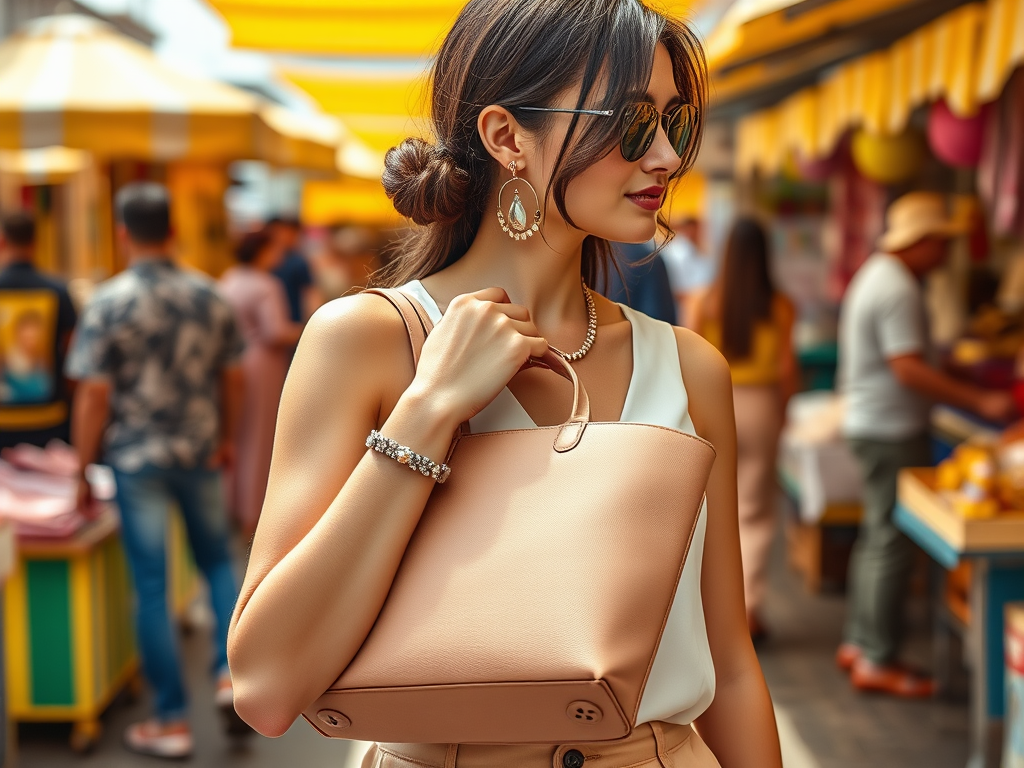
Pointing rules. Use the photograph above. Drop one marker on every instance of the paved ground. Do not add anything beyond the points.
(830, 725)
(822, 722)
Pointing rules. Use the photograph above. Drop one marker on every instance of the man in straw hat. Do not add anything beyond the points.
(889, 386)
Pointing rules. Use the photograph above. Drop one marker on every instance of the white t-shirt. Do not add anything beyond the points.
(688, 269)
(882, 317)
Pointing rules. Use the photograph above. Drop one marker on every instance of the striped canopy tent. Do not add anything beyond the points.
(380, 102)
(964, 57)
(73, 81)
(763, 50)
(375, 28)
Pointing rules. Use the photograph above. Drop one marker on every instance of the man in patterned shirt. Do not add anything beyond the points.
(156, 357)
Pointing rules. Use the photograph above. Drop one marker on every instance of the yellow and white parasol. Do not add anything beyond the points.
(73, 81)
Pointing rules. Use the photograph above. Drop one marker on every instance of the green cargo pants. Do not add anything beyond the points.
(883, 557)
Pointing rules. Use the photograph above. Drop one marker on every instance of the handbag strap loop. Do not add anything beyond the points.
(419, 326)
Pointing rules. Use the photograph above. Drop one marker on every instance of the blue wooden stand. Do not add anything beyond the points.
(997, 579)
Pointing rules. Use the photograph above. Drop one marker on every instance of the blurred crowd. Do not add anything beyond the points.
(173, 380)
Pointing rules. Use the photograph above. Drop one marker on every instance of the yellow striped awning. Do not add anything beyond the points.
(1002, 49)
(381, 105)
(73, 81)
(48, 165)
(755, 28)
(349, 201)
(373, 28)
(880, 90)
(350, 27)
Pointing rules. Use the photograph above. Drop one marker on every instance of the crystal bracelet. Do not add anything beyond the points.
(408, 457)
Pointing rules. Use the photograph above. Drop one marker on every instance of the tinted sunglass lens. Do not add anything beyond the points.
(680, 127)
(639, 128)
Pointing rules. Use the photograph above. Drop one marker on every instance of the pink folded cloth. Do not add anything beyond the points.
(39, 490)
(57, 458)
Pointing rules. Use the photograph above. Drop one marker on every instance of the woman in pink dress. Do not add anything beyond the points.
(261, 309)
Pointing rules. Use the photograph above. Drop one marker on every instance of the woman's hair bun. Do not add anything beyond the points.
(425, 183)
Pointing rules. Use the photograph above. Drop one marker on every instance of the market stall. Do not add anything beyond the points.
(994, 548)
(73, 83)
(69, 638)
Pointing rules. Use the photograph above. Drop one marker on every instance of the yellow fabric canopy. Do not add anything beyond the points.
(351, 27)
(753, 28)
(48, 165)
(959, 57)
(1002, 49)
(349, 201)
(375, 28)
(73, 81)
(380, 106)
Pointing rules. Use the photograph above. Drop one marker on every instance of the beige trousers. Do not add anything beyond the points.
(758, 427)
(651, 745)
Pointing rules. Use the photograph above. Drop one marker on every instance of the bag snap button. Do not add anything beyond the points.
(584, 712)
(333, 720)
(573, 759)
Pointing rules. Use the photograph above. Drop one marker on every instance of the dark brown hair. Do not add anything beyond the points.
(252, 245)
(518, 53)
(19, 229)
(747, 287)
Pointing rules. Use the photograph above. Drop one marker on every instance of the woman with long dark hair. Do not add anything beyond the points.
(261, 309)
(596, 106)
(751, 323)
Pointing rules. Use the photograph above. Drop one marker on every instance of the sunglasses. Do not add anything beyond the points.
(640, 126)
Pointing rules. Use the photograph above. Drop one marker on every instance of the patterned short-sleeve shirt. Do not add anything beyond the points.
(161, 336)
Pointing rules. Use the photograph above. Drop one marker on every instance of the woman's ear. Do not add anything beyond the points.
(502, 136)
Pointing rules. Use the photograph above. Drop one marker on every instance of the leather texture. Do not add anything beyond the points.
(539, 576)
(654, 745)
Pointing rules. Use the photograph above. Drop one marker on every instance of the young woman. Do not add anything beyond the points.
(261, 307)
(751, 323)
(597, 104)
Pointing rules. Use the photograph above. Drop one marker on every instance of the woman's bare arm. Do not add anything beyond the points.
(337, 517)
(741, 694)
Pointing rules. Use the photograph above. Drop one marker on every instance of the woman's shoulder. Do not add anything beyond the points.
(707, 379)
(363, 321)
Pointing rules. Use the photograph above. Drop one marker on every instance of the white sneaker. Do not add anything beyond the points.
(157, 739)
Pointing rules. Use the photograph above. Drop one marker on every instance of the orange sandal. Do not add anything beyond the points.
(847, 655)
(891, 679)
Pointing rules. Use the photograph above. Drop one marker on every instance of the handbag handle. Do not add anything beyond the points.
(419, 326)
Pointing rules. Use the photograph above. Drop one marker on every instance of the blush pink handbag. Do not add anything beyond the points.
(531, 599)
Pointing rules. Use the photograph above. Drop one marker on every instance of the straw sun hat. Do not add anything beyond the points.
(914, 217)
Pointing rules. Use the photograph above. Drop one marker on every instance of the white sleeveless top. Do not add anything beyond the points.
(681, 685)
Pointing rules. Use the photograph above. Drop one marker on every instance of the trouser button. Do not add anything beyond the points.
(573, 759)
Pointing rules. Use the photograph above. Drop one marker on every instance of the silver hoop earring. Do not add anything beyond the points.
(517, 226)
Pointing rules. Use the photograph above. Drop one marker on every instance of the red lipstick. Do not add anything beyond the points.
(649, 199)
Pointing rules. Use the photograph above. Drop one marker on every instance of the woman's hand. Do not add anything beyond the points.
(480, 344)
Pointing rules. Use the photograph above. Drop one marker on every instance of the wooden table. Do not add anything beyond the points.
(819, 551)
(995, 549)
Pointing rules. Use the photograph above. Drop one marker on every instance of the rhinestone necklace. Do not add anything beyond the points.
(580, 353)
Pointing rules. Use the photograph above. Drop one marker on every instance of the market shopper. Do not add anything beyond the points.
(36, 321)
(889, 386)
(293, 269)
(641, 281)
(751, 322)
(547, 94)
(261, 310)
(691, 271)
(156, 357)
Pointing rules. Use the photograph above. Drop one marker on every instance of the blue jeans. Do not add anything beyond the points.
(144, 498)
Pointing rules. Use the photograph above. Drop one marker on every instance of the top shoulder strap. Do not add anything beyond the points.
(417, 323)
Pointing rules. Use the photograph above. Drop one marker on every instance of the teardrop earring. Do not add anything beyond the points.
(517, 226)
